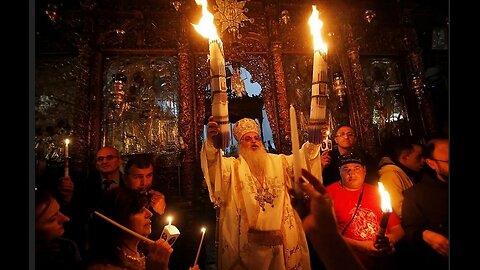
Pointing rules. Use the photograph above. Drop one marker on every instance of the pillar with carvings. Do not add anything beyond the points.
(359, 107)
(187, 115)
(281, 98)
(417, 82)
(82, 126)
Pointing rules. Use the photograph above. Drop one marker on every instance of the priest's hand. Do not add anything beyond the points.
(212, 129)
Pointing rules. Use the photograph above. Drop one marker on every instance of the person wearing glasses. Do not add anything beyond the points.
(425, 210)
(78, 200)
(345, 143)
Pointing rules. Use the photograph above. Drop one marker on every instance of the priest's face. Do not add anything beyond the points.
(252, 141)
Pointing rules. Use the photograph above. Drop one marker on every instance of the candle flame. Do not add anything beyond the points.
(328, 132)
(169, 219)
(205, 26)
(386, 204)
(203, 229)
(315, 28)
(67, 141)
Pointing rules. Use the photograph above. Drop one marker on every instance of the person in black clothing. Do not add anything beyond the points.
(425, 210)
(346, 143)
(78, 201)
(52, 250)
(139, 175)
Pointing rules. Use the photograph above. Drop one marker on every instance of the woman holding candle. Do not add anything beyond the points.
(112, 247)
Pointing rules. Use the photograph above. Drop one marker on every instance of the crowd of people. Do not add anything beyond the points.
(329, 218)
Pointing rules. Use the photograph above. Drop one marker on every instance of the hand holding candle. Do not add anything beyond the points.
(170, 233)
(200, 245)
(67, 141)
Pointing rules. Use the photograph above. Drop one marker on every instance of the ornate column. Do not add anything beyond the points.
(417, 83)
(358, 101)
(86, 114)
(187, 114)
(283, 142)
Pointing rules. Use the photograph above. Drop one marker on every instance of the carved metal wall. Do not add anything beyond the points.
(270, 46)
(141, 106)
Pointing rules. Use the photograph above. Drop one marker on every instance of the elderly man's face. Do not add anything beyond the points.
(251, 140)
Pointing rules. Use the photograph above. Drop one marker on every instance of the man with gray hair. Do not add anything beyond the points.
(258, 227)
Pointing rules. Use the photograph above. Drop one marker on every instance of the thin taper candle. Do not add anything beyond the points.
(125, 228)
(199, 246)
(67, 141)
(297, 165)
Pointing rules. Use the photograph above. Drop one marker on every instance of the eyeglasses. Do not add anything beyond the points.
(108, 158)
(348, 134)
(249, 139)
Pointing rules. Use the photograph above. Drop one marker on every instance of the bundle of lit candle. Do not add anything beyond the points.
(386, 210)
(318, 103)
(218, 82)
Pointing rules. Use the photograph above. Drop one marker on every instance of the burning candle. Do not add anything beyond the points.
(326, 143)
(200, 245)
(318, 103)
(297, 165)
(170, 233)
(67, 141)
(218, 82)
(386, 209)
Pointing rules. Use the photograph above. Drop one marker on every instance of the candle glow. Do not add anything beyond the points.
(200, 245)
(386, 204)
(386, 209)
(170, 233)
(326, 143)
(218, 81)
(66, 169)
(318, 103)
(67, 142)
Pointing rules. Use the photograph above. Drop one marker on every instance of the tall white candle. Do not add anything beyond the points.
(200, 246)
(218, 81)
(318, 104)
(295, 145)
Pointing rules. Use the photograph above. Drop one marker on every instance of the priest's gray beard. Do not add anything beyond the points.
(256, 160)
